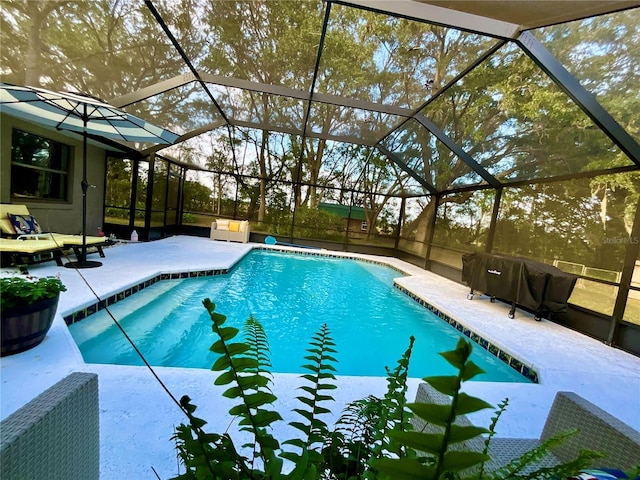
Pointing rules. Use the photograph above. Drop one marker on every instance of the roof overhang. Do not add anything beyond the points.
(533, 14)
(497, 18)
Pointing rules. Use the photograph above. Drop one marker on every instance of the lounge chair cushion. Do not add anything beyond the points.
(70, 240)
(24, 224)
(28, 246)
(6, 227)
(604, 474)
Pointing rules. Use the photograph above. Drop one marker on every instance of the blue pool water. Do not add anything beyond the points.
(292, 296)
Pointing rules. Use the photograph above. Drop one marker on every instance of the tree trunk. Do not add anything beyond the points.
(315, 161)
(263, 177)
(420, 226)
(34, 49)
(38, 11)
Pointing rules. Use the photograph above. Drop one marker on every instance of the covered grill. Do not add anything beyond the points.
(533, 285)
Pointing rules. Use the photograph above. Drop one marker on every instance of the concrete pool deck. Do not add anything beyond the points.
(137, 417)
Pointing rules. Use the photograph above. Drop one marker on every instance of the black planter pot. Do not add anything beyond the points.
(26, 326)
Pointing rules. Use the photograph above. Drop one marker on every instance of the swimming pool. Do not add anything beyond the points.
(292, 295)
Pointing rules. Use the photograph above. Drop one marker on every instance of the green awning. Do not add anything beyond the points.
(342, 211)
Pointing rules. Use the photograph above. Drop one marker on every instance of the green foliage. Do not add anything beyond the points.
(634, 472)
(197, 197)
(502, 406)
(112, 212)
(362, 431)
(315, 430)
(441, 459)
(372, 439)
(189, 218)
(243, 366)
(351, 444)
(314, 223)
(394, 414)
(21, 291)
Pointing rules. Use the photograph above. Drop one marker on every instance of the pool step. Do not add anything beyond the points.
(99, 322)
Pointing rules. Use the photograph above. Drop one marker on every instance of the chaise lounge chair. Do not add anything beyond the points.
(30, 245)
(16, 252)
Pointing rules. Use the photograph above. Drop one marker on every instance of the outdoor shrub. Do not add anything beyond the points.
(114, 212)
(189, 218)
(314, 223)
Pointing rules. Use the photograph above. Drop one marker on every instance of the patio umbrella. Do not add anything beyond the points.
(81, 114)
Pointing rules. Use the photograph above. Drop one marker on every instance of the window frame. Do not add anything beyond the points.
(62, 150)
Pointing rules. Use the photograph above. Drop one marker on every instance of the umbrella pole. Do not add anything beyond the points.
(82, 261)
(85, 187)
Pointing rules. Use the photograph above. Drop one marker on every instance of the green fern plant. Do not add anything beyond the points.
(372, 439)
(309, 462)
(350, 445)
(502, 406)
(361, 432)
(243, 365)
(395, 417)
(441, 460)
(206, 455)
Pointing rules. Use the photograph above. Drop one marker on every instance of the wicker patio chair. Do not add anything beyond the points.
(597, 430)
(55, 435)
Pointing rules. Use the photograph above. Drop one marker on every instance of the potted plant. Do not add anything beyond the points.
(27, 307)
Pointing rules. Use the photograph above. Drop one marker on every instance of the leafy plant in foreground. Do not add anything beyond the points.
(361, 432)
(441, 460)
(309, 461)
(372, 439)
(350, 444)
(19, 291)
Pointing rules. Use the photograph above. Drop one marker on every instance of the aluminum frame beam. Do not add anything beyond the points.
(153, 90)
(181, 52)
(424, 12)
(458, 151)
(407, 169)
(494, 48)
(266, 127)
(187, 78)
(535, 13)
(631, 255)
(584, 99)
(299, 132)
(304, 95)
(187, 136)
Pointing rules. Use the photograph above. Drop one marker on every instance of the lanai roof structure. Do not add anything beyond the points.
(206, 65)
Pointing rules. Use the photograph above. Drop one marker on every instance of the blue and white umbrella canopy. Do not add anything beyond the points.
(78, 113)
(84, 115)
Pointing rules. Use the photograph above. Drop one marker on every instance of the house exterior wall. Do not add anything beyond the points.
(58, 216)
(355, 226)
